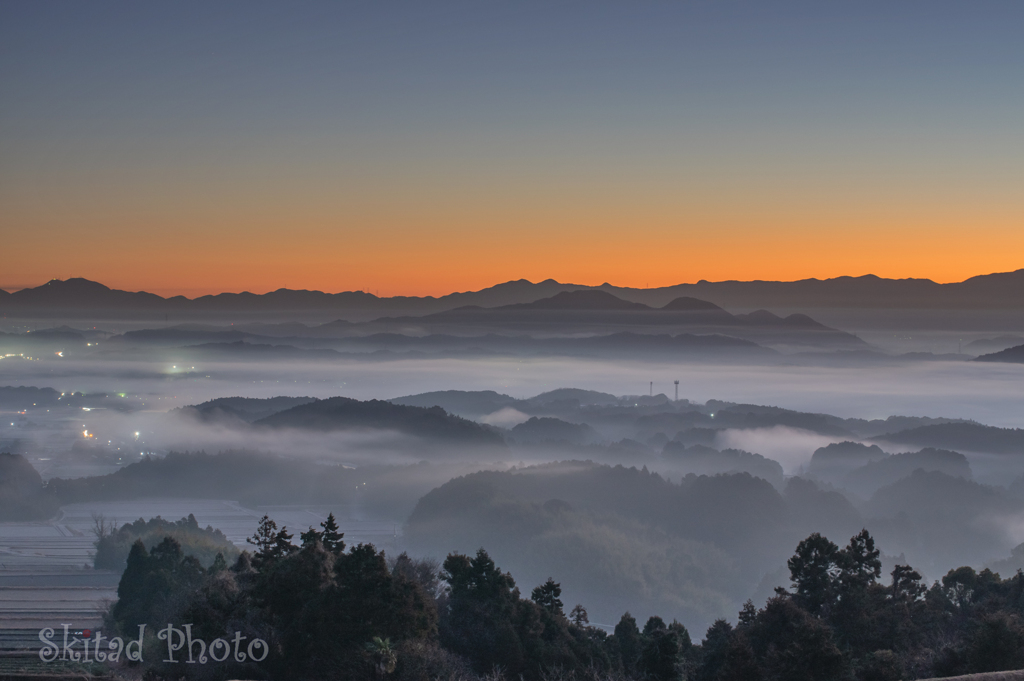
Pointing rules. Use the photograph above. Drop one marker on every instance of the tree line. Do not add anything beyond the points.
(331, 611)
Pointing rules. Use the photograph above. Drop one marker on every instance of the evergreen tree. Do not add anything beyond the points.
(480, 621)
(263, 539)
(715, 650)
(271, 543)
(630, 644)
(906, 584)
(748, 613)
(310, 537)
(813, 569)
(330, 537)
(859, 564)
(546, 596)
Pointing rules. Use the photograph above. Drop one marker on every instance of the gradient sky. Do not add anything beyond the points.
(425, 147)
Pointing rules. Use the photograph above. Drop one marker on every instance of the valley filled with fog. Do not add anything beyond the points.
(549, 433)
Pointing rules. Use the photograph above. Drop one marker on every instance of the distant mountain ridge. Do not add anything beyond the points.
(1014, 355)
(78, 296)
(587, 299)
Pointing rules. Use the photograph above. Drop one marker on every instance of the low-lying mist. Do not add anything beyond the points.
(989, 393)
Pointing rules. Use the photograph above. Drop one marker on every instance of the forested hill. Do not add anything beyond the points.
(969, 437)
(1014, 355)
(247, 409)
(341, 413)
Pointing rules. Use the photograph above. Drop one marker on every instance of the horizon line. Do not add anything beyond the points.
(181, 291)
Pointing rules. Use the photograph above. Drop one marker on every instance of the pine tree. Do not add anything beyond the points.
(814, 569)
(748, 614)
(283, 543)
(546, 596)
(263, 539)
(311, 536)
(270, 543)
(330, 537)
(859, 563)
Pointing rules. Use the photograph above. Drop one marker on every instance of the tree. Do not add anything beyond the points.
(859, 564)
(330, 537)
(264, 537)
(627, 635)
(654, 625)
(578, 616)
(271, 543)
(660, 657)
(132, 603)
(283, 543)
(715, 647)
(906, 584)
(479, 580)
(796, 646)
(748, 613)
(310, 537)
(813, 570)
(481, 619)
(422, 571)
(859, 568)
(959, 587)
(546, 596)
(152, 581)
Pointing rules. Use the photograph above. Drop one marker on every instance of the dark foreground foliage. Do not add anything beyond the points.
(331, 613)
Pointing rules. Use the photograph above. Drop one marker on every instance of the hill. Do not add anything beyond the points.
(939, 520)
(629, 538)
(22, 493)
(703, 460)
(17, 398)
(549, 430)
(246, 409)
(1014, 355)
(833, 461)
(986, 345)
(343, 413)
(970, 437)
(689, 304)
(886, 471)
(459, 402)
(257, 479)
(579, 300)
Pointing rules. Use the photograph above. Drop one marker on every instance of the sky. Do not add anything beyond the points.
(420, 148)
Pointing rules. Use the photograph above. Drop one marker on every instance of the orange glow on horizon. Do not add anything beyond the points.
(419, 268)
(434, 239)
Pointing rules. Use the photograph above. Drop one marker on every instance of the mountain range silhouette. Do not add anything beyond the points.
(992, 291)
